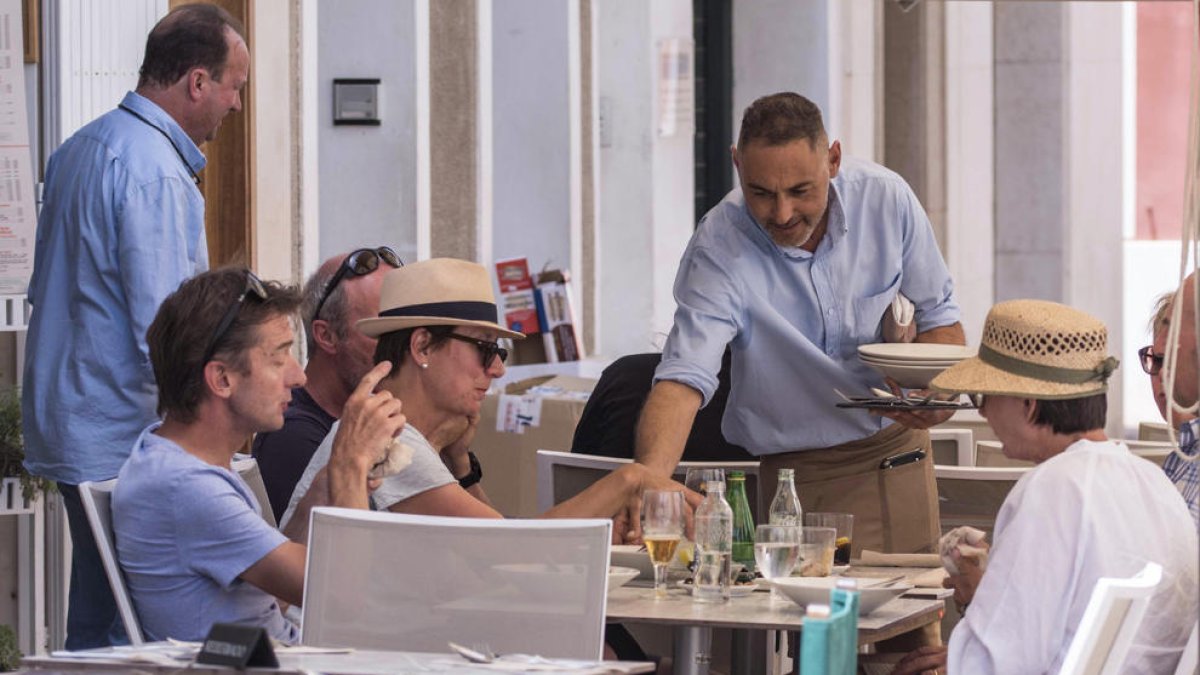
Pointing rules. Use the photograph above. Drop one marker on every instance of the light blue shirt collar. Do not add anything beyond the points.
(150, 113)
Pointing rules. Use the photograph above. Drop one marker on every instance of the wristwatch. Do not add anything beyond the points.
(474, 475)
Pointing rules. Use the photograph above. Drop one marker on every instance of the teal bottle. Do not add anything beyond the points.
(743, 522)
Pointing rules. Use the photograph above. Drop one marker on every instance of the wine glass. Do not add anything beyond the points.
(776, 552)
(697, 480)
(662, 528)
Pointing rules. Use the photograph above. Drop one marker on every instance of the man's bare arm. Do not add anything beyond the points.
(946, 335)
(663, 428)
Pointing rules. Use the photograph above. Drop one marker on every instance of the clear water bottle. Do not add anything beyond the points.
(714, 546)
(785, 507)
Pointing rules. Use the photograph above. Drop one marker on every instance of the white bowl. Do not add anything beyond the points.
(808, 590)
(619, 576)
(632, 555)
(916, 351)
(909, 376)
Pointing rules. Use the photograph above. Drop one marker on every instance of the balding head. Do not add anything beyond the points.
(332, 336)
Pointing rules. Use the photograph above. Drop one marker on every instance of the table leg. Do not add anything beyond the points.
(692, 649)
(748, 653)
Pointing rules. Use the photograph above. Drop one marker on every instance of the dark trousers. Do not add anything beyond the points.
(92, 618)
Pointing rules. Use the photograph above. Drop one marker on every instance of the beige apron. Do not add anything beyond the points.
(895, 510)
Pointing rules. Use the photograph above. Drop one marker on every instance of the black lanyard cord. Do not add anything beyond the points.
(165, 135)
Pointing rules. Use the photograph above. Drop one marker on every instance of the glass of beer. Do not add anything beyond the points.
(844, 524)
(662, 529)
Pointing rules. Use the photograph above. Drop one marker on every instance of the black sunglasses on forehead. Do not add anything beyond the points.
(487, 350)
(254, 287)
(359, 263)
(1151, 363)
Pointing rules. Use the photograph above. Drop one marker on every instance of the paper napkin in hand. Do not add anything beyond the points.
(968, 541)
(898, 323)
(399, 456)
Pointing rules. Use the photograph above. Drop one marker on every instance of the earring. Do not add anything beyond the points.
(425, 365)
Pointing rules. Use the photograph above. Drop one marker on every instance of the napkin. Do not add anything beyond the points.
(967, 541)
(898, 323)
(877, 559)
(399, 456)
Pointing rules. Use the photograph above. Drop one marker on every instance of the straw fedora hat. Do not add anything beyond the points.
(437, 292)
(1035, 349)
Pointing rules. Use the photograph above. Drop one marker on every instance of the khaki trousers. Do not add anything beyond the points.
(895, 510)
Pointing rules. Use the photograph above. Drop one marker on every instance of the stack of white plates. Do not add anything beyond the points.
(912, 364)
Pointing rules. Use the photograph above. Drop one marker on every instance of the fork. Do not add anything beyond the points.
(478, 654)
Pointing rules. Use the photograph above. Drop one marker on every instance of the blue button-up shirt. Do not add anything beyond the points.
(1183, 473)
(122, 225)
(794, 319)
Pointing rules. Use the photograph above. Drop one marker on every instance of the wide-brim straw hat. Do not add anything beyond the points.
(436, 292)
(1035, 349)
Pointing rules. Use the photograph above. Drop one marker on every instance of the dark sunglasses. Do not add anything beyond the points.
(254, 287)
(1151, 363)
(358, 263)
(487, 350)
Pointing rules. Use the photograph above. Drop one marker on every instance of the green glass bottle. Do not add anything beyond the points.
(743, 522)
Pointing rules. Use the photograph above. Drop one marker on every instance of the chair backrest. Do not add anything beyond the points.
(97, 504)
(830, 646)
(1154, 451)
(1191, 653)
(972, 495)
(1110, 622)
(952, 447)
(991, 453)
(247, 467)
(379, 580)
(562, 475)
(1153, 431)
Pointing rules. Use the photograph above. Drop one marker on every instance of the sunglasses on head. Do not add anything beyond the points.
(1151, 363)
(487, 350)
(255, 288)
(358, 263)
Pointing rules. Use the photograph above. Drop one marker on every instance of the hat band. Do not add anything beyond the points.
(465, 310)
(1038, 371)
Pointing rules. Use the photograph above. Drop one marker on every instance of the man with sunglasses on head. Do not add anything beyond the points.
(190, 536)
(122, 224)
(343, 290)
(1179, 410)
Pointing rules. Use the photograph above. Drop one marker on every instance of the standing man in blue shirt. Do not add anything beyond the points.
(121, 226)
(794, 270)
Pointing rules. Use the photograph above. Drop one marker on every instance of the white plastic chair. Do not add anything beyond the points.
(403, 582)
(97, 504)
(952, 447)
(562, 475)
(1110, 622)
(973, 495)
(1191, 653)
(247, 467)
(1154, 431)
(991, 454)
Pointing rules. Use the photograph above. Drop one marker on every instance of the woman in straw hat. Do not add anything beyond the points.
(437, 325)
(1089, 509)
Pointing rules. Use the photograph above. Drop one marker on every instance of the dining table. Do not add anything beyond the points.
(691, 623)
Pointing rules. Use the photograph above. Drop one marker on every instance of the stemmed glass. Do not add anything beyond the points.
(697, 480)
(776, 552)
(662, 528)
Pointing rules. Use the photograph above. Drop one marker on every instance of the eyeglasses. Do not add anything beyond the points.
(255, 287)
(359, 263)
(1151, 363)
(487, 350)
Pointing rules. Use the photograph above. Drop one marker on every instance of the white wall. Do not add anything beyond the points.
(368, 175)
(532, 159)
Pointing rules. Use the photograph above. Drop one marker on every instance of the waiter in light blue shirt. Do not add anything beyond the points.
(121, 226)
(794, 270)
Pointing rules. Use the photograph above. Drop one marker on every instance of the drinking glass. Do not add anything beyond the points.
(697, 480)
(662, 528)
(776, 552)
(844, 524)
(816, 551)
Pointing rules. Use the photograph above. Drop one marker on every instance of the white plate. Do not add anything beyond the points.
(739, 591)
(619, 576)
(917, 351)
(903, 362)
(808, 590)
(909, 377)
(632, 555)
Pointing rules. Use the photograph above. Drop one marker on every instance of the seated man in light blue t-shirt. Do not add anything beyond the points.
(190, 535)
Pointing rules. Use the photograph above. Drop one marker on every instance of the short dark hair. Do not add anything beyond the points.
(782, 118)
(185, 325)
(189, 36)
(394, 345)
(1072, 415)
